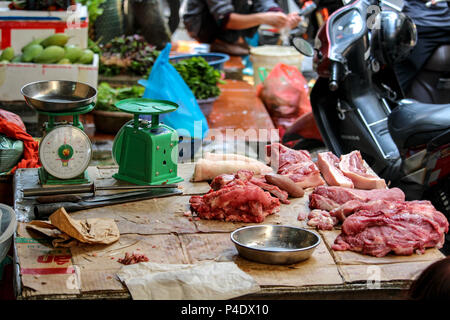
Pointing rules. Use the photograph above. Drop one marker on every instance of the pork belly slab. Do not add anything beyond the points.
(356, 169)
(328, 164)
(401, 227)
(295, 164)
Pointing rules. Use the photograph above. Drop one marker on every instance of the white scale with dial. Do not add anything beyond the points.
(65, 151)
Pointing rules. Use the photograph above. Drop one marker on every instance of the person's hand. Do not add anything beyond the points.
(275, 19)
(293, 20)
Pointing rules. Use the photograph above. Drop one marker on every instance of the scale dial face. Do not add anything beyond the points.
(65, 152)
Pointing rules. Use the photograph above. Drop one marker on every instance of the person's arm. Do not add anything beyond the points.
(238, 21)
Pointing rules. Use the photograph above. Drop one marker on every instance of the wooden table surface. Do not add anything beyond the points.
(158, 228)
(239, 114)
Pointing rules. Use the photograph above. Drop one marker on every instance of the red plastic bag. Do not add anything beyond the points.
(286, 96)
(12, 117)
(30, 146)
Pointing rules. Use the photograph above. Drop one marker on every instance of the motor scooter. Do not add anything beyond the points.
(358, 104)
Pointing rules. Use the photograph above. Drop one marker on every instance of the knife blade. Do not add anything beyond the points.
(42, 211)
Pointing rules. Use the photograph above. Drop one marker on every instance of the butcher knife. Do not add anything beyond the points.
(44, 210)
(89, 188)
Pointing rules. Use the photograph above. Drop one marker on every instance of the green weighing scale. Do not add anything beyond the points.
(146, 151)
(65, 151)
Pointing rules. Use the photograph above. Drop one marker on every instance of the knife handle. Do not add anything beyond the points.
(59, 198)
(43, 211)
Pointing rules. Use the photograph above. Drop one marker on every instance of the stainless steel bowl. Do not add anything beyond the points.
(58, 95)
(275, 244)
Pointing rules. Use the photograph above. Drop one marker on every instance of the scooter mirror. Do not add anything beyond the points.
(303, 47)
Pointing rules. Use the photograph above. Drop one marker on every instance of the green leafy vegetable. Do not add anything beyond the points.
(200, 77)
(107, 96)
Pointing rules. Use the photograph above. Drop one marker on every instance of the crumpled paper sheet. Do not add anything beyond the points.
(203, 281)
(68, 232)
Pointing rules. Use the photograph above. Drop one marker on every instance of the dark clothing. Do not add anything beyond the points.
(437, 15)
(205, 20)
(429, 39)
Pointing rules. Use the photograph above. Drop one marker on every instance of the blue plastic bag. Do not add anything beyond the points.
(165, 83)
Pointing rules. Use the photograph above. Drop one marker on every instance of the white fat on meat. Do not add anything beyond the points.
(206, 169)
(354, 167)
(328, 164)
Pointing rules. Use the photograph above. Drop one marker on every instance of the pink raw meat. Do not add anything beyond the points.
(329, 198)
(354, 167)
(403, 227)
(296, 164)
(321, 219)
(328, 164)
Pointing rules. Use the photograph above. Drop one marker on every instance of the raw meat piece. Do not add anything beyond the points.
(221, 180)
(354, 167)
(245, 175)
(237, 201)
(296, 164)
(206, 169)
(277, 192)
(321, 219)
(329, 198)
(328, 164)
(352, 206)
(286, 184)
(403, 227)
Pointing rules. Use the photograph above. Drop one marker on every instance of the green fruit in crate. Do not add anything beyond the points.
(64, 61)
(50, 54)
(58, 39)
(7, 54)
(87, 57)
(35, 41)
(32, 52)
(17, 58)
(73, 53)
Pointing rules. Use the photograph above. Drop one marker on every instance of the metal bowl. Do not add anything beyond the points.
(58, 95)
(274, 244)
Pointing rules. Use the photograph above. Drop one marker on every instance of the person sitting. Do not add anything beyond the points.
(225, 23)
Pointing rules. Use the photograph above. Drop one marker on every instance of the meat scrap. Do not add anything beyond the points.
(321, 219)
(328, 164)
(329, 198)
(403, 227)
(133, 258)
(354, 167)
(237, 200)
(296, 164)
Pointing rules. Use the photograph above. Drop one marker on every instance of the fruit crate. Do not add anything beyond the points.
(13, 76)
(19, 27)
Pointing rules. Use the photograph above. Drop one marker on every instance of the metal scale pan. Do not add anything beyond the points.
(58, 95)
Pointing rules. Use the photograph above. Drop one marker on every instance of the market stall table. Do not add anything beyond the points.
(159, 229)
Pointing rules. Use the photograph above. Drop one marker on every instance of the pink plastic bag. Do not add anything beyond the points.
(286, 96)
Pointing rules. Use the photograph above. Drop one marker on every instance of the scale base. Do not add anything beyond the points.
(47, 179)
(146, 183)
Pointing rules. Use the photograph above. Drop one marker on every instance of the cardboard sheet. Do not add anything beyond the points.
(44, 269)
(318, 269)
(153, 216)
(371, 274)
(350, 257)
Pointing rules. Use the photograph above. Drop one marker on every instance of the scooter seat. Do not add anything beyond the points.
(413, 123)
